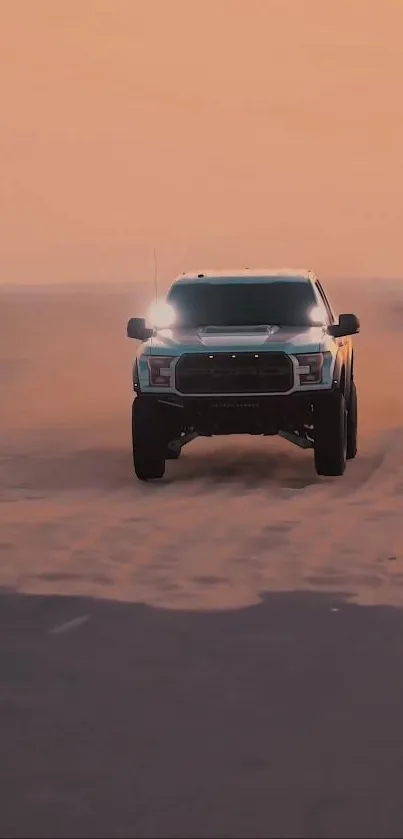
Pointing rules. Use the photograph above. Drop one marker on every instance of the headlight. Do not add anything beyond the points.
(161, 315)
(160, 369)
(310, 366)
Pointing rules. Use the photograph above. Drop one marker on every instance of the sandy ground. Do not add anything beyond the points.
(234, 518)
(241, 689)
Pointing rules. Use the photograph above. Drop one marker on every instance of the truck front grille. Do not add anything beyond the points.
(234, 373)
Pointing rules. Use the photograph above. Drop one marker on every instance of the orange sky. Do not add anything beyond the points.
(225, 132)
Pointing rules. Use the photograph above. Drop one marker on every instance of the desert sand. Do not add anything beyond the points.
(235, 518)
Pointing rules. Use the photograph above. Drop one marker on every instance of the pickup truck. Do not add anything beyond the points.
(244, 352)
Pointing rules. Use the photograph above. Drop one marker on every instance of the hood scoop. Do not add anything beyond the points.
(239, 330)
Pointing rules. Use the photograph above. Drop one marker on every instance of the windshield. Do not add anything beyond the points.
(244, 304)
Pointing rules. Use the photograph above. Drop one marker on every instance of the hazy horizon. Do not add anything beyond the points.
(244, 133)
(385, 281)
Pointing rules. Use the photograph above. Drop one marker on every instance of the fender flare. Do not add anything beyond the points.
(342, 373)
(135, 377)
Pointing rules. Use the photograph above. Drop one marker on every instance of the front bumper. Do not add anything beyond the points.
(262, 414)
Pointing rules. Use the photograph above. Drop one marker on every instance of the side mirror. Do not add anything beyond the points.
(347, 325)
(136, 328)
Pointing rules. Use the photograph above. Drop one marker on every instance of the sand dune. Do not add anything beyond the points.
(235, 518)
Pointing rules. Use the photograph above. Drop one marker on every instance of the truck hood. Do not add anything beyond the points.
(220, 339)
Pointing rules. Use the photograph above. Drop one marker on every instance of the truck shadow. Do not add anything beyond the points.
(110, 469)
(245, 466)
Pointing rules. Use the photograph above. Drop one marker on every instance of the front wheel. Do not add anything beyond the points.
(148, 440)
(330, 429)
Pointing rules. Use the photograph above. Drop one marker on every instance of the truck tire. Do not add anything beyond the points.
(330, 428)
(352, 422)
(149, 444)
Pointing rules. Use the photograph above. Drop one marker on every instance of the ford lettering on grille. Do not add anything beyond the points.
(234, 373)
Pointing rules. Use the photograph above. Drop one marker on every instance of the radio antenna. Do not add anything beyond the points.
(155, 276)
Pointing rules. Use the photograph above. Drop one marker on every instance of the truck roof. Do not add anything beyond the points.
(246, 275)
